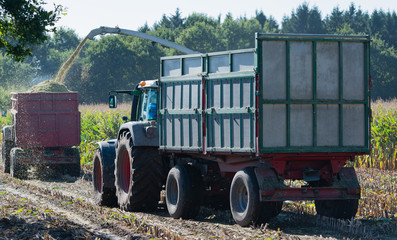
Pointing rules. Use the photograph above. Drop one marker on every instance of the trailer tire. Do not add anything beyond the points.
(72, 169)
(342, 209)
(139, 176)
(103, 195)
(270, 210)
(244, 199)
(6, 147)
(17, 169)
(183, 192)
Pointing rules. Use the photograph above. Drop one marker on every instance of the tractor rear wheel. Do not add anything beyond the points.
(17, 168)
(103, 193)
(343, 209)
(139, 176)
(244, 199)
(183, 192)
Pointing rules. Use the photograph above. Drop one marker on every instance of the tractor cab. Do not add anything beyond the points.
(144, 100)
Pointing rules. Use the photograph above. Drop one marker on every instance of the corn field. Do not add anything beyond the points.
(383, 137)
(99, 123)
(377, 171)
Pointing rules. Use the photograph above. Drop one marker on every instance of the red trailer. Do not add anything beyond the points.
(45, 128)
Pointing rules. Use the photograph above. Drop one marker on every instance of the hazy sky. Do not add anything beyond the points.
(85, 15)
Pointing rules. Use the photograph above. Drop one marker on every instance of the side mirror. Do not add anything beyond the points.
(112, 101)
(125, 118)
(3, 113)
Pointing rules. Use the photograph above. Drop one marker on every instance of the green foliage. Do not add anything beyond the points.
(384, 71)
(120, 62)
(304, 20)
(23, 23)
(15, 74)
(383, 139)
(97, 125)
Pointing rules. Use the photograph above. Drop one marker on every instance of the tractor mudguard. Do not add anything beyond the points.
(143, 134)
(108, 153)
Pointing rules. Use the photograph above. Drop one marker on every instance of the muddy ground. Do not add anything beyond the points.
(62, 208)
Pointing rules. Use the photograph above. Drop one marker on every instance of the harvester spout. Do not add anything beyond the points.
(153, 39)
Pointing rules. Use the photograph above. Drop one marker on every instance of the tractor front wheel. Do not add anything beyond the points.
(104, 192)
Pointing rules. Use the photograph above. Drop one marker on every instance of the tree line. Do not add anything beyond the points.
(120, 62)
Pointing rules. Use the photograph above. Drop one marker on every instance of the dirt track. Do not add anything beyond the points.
(62, 208)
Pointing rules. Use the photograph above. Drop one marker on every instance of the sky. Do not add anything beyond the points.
(85, 15)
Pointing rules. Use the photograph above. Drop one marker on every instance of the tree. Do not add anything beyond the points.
(24, 23)
(304, 20)
(267, 24)
(109, 64)
(54, 51)
(201, 37)
(383, 70)
(239, 34)
(334, 21)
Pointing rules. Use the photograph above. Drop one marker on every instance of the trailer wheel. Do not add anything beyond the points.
(103, 194)
(270, 210)
(17, 169)
(139, 176)
(183, 192)
(343, 209)
(6, 147)
(244, 198)
(73, 169)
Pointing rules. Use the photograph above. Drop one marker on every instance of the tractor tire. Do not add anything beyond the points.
(104, 193)
(183, 192)
(244, 199)
(17, 168)
(6, 147)
(342, 209)
(139, 176)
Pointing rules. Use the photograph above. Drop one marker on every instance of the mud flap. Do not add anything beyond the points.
(347, 178)
(268, 182)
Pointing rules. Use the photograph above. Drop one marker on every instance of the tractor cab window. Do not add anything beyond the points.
(149, 105)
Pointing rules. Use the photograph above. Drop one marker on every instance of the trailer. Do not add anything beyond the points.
(229, 128)
(44, 132)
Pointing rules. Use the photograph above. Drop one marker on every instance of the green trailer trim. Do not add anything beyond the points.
(180, 112)
(314, 88)
(367, 96)
(195, 149)
(288, 92)
(340, 45)
(315, 101)
(227, 110)
(230, 110)
(313, 37)
(233, 150)
(230, 76)
(184, 79)
(310, 149)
